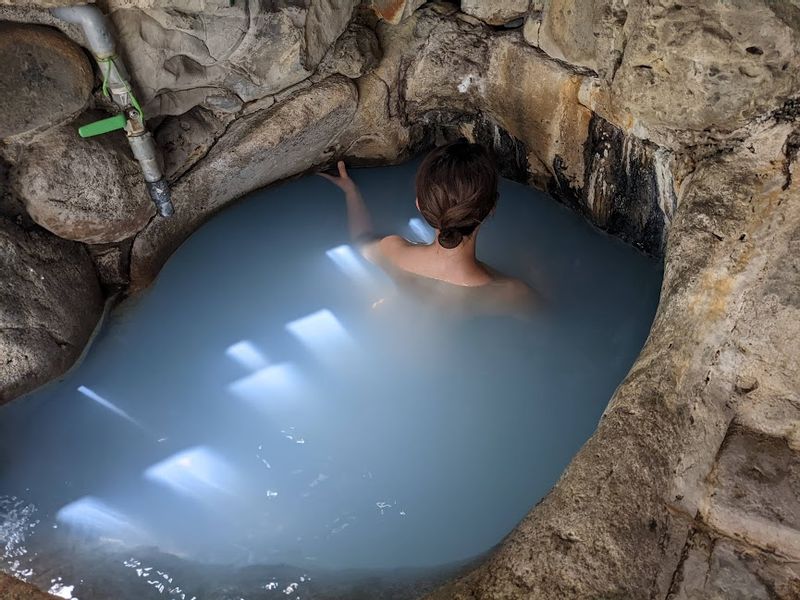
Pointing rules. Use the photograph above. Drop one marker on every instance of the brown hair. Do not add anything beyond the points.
(456, 190)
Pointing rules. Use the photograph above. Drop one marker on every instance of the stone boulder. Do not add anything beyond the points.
(45, 78)
(89, 190)
(262, 147)
(496, 12)
(50, 301)
(181, 56)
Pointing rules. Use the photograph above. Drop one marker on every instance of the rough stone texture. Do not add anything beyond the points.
(588, 34)
(45, 79)
(756, 484)
(355, 53)
(395, 11)
(688, 73)
(187, 138)
(182, 56)
(112, 262)
(50, 302)
(746, 541)
(496, 12)
(256, 150)
(379, 132)
(618, 522)
(89, 190)
(717, 568)
(325, 22)
(14, 589)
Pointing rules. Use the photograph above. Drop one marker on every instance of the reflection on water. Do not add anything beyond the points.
(271, 421)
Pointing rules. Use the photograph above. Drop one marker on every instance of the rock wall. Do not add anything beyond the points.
(673, 124)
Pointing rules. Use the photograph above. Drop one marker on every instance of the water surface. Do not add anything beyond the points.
(270, 421)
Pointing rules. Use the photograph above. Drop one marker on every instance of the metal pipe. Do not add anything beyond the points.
(144, 149)
(117, 82)
(95, 27)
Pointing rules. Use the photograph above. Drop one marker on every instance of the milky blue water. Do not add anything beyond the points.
(270, 401)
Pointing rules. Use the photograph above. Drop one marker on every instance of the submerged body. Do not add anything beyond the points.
(299, 420)
(499, 295)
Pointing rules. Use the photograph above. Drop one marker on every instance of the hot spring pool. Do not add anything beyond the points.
(268, 421)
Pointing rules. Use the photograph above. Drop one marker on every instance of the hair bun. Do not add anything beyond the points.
(450, 238)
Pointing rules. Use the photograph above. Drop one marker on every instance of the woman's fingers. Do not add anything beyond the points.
(343, 180)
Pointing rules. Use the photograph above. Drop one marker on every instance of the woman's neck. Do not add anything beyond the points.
(459, 264)
(464, 252)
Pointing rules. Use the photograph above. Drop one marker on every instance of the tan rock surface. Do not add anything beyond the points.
(695, 72)
(496, 12)
(355, 53)
(588, 34)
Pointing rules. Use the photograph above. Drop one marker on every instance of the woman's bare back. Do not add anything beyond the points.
(480, 290)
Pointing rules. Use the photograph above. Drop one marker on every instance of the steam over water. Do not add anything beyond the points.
(270, 401)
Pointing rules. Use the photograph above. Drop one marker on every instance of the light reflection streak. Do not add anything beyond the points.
(196, 472)
(92, 395)
(273, 383)
(247, 354)
(421, 230)
(322, 333)
(349, 262)
(91, 515)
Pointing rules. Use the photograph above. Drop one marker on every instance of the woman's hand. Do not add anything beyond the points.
(357, 216)
(343, 181)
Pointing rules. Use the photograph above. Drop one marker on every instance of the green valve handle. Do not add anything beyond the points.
(103, 126)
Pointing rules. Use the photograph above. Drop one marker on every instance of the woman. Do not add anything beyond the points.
(456, 189)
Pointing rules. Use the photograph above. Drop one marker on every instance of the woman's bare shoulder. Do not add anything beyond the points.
(388, 247)
(392, 243)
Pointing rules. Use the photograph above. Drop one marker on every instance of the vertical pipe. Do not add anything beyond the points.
(117, 81)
